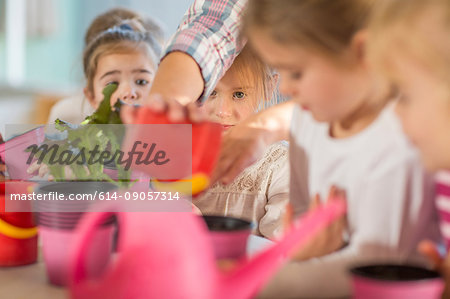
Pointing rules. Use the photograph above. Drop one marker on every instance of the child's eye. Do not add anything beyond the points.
(213, 94)
(239, 95)
(141, 82)
(112, 82)
(295, 75)
(403, 99)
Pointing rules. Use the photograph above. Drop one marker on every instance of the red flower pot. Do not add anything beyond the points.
(18, 237)
(191, 170)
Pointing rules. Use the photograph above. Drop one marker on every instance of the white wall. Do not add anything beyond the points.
(54, 63)
(167, 12)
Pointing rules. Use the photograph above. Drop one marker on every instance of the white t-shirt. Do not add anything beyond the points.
(73, 110)
(389, 198)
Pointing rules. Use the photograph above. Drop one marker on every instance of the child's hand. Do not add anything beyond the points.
(429, 250)
(41, 169)
(331, 238)
(176, 112)
(242, 146)
(2, 171)
(196, 210)
(246, 142)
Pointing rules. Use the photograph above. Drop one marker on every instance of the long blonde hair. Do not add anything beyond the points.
(415, 28)
(252, 71)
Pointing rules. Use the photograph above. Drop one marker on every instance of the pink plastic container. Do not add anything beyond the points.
(12, 152)
(228, 236)
(396, 282)
(56, 246)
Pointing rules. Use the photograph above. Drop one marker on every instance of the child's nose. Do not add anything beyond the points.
(286, 88)
(223, 110)
(128, 94)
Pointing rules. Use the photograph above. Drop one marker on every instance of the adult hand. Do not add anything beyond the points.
(176, 112)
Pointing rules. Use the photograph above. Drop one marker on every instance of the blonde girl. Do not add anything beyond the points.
(410, 46)
(344, 133)
(260, 193)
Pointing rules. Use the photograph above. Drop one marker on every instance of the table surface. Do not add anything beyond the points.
(26, 282)
(30, 281)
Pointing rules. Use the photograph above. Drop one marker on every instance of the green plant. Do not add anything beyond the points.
(95, 132)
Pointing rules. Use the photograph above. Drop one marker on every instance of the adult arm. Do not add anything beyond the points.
(202, 49)
(197, 56)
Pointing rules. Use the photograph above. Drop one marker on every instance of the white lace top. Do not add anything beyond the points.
(258, 194)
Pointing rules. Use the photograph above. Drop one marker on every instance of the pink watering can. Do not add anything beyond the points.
(169, 255)
(13, 153)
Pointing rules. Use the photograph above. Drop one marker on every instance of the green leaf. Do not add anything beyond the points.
(87, 136)
(104, 114)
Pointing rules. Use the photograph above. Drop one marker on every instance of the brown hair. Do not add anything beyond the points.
(251, 71)
(115, 16)
(415, 28)
(325, 25)
(121, 36)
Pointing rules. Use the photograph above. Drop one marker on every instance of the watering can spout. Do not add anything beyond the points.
(248, 278)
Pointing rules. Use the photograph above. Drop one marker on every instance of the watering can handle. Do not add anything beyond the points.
(83, 239)
(253, 273)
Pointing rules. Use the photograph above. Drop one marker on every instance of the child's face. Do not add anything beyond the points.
(331, 92)
(133, 72)
(231, 101)
(424, 109)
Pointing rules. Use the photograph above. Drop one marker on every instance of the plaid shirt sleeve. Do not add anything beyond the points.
(209, 33)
